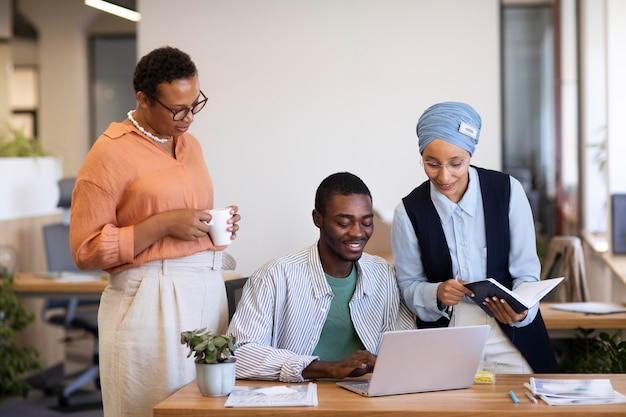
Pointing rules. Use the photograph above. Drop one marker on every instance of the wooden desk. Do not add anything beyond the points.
(28, 284)
(479, 400)
(562, 324)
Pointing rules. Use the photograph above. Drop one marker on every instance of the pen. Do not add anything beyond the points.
(531, 397)
(514, 397)
(451, 308)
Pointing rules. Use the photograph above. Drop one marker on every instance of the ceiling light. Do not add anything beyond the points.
(105, 6)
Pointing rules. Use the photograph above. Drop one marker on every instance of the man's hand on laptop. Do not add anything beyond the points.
(359, 363)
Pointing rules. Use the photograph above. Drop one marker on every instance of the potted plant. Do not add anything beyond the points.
(15, 143)
(593, 353)
(15, 361)
(28, 175)
(215, 363)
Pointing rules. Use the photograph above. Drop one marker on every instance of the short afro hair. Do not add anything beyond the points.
(162, 65)
(342, 183)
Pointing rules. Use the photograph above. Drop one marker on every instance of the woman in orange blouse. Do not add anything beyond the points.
(139, 211)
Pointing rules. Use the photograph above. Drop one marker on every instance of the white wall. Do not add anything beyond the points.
(63, 113)
(616, 94)
(301, 89)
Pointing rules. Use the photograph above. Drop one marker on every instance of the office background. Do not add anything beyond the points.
(301, 89)
(298, 90)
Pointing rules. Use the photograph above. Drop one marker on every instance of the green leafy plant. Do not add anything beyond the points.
(15, 361)
(14, 143)
(601, 353)
(601, 151)
(208, 347)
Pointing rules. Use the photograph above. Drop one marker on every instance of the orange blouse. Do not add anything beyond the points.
(124, 179)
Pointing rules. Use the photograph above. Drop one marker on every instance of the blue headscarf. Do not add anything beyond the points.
(457, 123)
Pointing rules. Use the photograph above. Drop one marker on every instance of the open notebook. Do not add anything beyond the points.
(424, 360)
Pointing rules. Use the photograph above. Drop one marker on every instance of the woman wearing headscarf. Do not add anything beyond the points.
(465, 224)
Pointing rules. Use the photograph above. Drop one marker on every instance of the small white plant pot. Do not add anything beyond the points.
(216, 379)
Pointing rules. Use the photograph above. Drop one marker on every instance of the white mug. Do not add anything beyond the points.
(219, 223)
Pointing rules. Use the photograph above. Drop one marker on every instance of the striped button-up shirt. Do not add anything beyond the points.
(284, 305)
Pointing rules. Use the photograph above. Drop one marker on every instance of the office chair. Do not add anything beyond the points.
(234, 288)
(565, 258)
(71, 314)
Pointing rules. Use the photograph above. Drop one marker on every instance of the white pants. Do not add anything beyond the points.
(142, 313)
(499, 347)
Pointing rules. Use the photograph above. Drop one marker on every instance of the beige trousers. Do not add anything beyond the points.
(499, 347)
(142, 313)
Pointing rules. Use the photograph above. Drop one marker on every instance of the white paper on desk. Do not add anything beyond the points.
(558, 391)
(273, 396)
(572, 388)
(616, 399)
(590, 307)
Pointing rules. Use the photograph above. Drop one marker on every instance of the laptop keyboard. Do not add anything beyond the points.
(360, 385)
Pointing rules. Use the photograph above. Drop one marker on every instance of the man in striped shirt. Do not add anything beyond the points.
(320, 312)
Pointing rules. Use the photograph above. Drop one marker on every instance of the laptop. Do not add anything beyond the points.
(423, 360)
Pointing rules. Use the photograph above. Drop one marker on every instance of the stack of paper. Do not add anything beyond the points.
(273, 396)
(575, 391)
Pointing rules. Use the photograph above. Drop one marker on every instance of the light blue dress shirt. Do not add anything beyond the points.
(464, 228)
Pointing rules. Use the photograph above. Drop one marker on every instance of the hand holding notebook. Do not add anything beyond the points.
(522, 298)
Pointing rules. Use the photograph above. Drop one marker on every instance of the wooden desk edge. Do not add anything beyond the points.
(570, 320)
(484, 400)
(29, 283)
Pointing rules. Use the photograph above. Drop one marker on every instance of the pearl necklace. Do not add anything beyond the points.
(144, 131)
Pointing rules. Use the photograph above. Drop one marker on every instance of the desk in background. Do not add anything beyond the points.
(34, 289)
(479, 400)
(28, 284)
(563, 324)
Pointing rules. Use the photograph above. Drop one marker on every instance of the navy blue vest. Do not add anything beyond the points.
(532, 340)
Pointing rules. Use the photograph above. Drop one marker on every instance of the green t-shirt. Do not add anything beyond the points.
(338, 338)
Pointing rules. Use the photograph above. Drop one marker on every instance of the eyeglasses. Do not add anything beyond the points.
(453, 167)
(179, 115)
